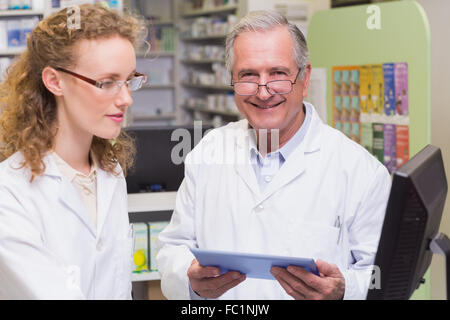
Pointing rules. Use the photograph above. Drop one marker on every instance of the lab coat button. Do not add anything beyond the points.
(268, 179)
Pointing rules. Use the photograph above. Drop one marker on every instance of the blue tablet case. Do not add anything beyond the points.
(252, 265)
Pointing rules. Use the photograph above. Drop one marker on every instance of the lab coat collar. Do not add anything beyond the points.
(244, 140)
(311, 140)
(67, 193)
(293, 167)
(106, 184)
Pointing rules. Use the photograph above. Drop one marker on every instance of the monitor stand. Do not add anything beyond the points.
(441, 245)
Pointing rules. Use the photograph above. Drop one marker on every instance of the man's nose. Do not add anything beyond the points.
(263, 93)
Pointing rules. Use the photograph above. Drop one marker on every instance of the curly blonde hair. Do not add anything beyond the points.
(28, 119)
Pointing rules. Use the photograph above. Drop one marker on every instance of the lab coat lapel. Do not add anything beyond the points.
(242, 162)
(69, 197)
(247, 174)
(106, 185)
(290, 170)
(295, 165)
(67, 193)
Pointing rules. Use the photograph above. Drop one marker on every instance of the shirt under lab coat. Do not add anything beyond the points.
(327, 201)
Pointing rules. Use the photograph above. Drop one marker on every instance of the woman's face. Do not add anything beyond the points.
(86, 109)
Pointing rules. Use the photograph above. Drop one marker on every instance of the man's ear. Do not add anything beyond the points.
(52, 81)
(306, 78)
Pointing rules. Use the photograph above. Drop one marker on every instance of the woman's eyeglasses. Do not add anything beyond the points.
(112, 87)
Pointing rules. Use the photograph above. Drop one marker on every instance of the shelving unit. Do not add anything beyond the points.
(207, 87)
(42, 9)
(219, 37)
(146, 276)
(155, 54)
(7, 52)
(202, 12)
(16, 13)
(156, 103)
(149, 204)
(11, 51)
(203, 75)
(359, 45)
(8, 15)
(202, 61)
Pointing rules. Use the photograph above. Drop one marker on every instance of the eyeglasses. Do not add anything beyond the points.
(247, 88)
(112, 87)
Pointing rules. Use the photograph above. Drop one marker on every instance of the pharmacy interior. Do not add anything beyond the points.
(382, 89)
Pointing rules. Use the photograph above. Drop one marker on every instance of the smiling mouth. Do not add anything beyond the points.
(266, 107)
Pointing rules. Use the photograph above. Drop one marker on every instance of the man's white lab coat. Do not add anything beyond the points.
(327, 201)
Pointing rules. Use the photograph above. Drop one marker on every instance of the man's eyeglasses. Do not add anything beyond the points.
(247, 88)
(112, 86)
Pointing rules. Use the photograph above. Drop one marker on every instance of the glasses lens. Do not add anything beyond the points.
(109, 85)
(279, 86)
(246, 88)
(136, 83)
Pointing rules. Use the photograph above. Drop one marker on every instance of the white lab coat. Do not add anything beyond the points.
(220, 207)
(49, 248)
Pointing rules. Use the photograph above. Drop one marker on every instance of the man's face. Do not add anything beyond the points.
(265, 56)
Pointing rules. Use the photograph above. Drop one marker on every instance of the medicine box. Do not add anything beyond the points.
(155, 229)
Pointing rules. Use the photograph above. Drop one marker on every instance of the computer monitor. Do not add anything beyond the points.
(412, 220)
(160, 155)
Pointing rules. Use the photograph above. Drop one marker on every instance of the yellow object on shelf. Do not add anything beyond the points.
(140, 260)
(141, 246)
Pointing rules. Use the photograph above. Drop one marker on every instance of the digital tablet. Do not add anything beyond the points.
(252, 265)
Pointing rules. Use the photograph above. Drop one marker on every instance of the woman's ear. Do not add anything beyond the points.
(52, 81)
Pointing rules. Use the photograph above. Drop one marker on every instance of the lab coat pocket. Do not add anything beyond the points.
(315, 240)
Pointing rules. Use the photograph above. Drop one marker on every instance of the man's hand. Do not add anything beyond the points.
(303, 285)
(208, 283)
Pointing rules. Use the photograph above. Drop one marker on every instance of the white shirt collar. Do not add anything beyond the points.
(70, 173)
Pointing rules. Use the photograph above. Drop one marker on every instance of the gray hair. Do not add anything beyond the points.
(265, 20)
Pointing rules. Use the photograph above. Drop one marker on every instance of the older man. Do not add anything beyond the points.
(303, 189)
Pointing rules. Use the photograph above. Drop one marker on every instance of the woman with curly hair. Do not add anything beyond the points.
(64, 228)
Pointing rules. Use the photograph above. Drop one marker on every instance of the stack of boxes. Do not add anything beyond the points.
(370, 106)
(146, 237)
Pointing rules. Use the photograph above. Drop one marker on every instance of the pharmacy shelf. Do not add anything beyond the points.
(158, 86)
(210, 87)
(202, 61)
(155, 54)
(12, 51)
(212, 111)
(187, 65)
(205, 38)
(215, 10)
(15, 13)
(161, 22)
(146, 276)
(382, 118)
(148, 202)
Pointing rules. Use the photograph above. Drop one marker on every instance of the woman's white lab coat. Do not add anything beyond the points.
(49, 248)
(327, 201)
